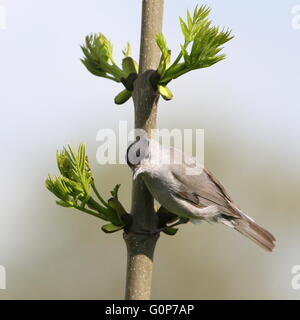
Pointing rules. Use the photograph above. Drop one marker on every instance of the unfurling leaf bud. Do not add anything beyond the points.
(110, 228)
(122, 97)
(165, 92)
(129, 65)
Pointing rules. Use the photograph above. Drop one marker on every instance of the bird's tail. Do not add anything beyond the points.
(254, 232)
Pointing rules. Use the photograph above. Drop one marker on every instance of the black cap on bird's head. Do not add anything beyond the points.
(137, 152)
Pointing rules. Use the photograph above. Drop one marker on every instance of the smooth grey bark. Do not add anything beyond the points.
(140, 238)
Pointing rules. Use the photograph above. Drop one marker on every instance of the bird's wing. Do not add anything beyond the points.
(202, 188)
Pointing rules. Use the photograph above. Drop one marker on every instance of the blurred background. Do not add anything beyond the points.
(248, 106)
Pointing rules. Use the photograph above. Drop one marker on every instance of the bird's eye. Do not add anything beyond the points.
(138, 153)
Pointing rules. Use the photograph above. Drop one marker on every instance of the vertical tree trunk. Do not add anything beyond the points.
(140, 245)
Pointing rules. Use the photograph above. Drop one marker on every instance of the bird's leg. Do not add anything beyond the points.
(182, 220)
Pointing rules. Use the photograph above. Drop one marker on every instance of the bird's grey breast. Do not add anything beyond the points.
(164, 186)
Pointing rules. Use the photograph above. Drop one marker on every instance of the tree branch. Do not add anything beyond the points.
(140, 247)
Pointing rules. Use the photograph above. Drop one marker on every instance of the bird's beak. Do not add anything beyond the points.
(136, 171)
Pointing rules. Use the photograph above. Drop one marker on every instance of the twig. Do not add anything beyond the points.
(140, 247)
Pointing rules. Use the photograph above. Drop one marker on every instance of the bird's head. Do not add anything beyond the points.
(137, 154)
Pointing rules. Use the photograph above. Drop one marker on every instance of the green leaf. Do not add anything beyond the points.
(201, 47)
(129, 66)
(98, 57)
(117, 204)
(102, 211)
(189, 20)
(110, 228)
(81, 157)
(73, 187)
(115, 210)
(186, 56)
(162, 43)
(112, 212)
(165, 54)
(58, 188)
(184, 29)
(127, 50)
(122, 97)
(65, 204)
(115, 191)
(165, 92)
(94, 69)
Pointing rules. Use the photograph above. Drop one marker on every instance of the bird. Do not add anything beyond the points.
(185, 188)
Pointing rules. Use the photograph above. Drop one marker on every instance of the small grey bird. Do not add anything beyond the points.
(185, 188)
